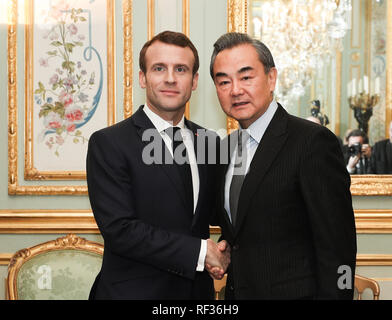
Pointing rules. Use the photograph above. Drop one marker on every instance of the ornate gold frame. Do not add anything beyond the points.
(30, 172)
(366, 185)
(69, 242)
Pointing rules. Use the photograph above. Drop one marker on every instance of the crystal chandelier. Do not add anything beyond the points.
(302, 36)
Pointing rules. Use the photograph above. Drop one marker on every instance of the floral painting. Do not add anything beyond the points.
(70, 85)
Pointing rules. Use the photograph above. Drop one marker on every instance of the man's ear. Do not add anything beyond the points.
(142, 79)
(195, 81)
(272, 78)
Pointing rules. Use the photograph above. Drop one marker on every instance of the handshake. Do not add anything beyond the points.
(217, 258)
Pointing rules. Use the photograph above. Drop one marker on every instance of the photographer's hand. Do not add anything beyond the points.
(352, 162)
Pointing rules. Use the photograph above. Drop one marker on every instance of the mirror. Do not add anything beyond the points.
(332, 54)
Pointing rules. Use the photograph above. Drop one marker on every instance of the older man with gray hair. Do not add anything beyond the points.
(284, 203)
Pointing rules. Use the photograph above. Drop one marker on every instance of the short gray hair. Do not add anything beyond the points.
(234, 39)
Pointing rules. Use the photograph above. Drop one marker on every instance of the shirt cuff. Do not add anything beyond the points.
(202, 255)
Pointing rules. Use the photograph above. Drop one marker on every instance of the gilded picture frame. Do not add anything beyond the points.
(364, 185)
(34, 90)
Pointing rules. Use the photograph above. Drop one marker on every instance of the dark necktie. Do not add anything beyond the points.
(181, 160)
(239, 173)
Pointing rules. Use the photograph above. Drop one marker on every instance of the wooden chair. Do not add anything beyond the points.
(362, 283)
(219, 286)
(61, 269)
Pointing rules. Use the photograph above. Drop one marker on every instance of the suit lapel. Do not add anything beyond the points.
(143, 123)
(270, 145)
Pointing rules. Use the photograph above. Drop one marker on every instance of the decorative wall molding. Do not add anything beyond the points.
(128, 57)
(374, 260)
(52, 221)
(375, 221)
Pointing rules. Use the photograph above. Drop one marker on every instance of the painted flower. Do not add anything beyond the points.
(43, 62)
(69, 82)
(53, 79)
(74, 115)
(81, 36)
(73, 29)
(71, 127)
(59, 140)
(66, 98)
(79, 64)
(53, 121)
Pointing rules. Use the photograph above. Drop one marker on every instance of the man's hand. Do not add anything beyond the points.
(217, 258)
(352, 162)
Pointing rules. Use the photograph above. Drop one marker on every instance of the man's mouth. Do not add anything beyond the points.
(169, 92)
(239, 104)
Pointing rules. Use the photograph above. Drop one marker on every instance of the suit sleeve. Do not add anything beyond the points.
(111, 197)
(325, 186)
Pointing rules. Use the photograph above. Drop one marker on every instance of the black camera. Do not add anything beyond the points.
(355, 149)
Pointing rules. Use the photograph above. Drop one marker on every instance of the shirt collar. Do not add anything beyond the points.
(257, 129)
(159, 123)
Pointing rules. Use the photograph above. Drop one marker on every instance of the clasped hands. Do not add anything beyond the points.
(217, 258)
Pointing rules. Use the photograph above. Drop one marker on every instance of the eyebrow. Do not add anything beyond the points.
(245, 69)
(242, 70)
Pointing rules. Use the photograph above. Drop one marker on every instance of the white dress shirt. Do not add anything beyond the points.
(256, 131)
(161, 125)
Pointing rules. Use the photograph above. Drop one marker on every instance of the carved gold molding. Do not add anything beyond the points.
(150, 19)
(375, 221)
(237, 20)
(128, 57)
(47, 221)
(5, 259)
(185, 30)
(52, 221)
(371, 185)
(374, 260)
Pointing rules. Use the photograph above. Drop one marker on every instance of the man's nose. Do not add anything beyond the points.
(170, 76)
(236, 88)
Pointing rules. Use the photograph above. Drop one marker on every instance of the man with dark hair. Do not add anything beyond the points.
(357, 153)
(153, 208)
(285, 204)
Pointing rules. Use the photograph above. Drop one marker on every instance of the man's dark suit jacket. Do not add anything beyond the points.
(151, 236)
(295, 221)
(381, 159)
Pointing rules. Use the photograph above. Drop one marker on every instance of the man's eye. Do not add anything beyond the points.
(181, 69)
(223, 83)
(246, 78)
(158, 68)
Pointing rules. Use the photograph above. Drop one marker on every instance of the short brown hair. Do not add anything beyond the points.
(169, 37)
